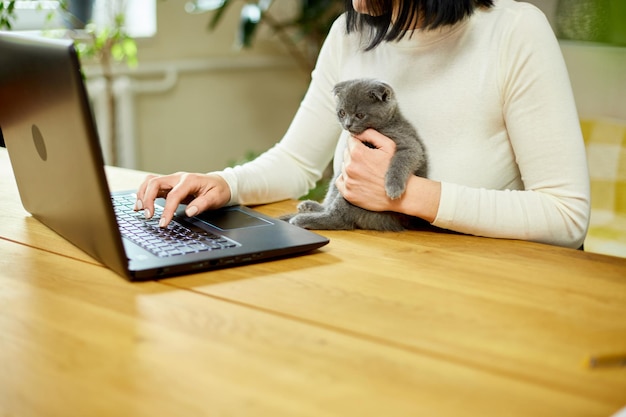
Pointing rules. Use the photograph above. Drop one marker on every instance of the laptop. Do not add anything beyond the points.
(51, 138)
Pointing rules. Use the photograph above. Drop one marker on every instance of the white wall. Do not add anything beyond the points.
(598, 76)
(210, 116)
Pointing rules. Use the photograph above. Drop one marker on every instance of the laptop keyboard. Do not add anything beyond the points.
(174, 240)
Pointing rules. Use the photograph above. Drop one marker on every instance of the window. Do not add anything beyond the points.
(40, 15)
(140, 16)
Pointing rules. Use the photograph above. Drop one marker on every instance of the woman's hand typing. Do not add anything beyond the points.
(199, 191)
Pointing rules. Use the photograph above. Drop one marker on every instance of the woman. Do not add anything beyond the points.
(484, 83)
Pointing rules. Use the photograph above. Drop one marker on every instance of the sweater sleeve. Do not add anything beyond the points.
(544, 130)
(293, 166)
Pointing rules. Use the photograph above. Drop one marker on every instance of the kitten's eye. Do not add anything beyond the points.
(341, 113)
(360, 116)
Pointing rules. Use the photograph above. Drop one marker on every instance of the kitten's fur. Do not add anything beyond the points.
(363, 104)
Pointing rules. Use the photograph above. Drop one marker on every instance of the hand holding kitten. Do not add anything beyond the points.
(362, 180)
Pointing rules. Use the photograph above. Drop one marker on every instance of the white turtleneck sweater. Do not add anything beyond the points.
(490, 98)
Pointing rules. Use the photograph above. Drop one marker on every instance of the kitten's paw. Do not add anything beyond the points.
(395, 191)
(310, 206)
(300, 221)
(287, 217)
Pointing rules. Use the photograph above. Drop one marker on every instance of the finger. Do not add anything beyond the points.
(201, 203)
(353, 142)
(213, 192)
(155, 187)
(376, 139)
(357, 149)
(339, 183)
(351, 166)
(141, 192)
(178, 194)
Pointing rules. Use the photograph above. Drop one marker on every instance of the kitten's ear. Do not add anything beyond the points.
(340, 86)
(382, 92)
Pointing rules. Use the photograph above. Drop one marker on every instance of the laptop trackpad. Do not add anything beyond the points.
(229, 219)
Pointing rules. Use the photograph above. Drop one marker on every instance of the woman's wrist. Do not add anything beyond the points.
(421, 199)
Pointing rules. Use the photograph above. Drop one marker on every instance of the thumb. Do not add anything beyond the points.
(375, 139)
(215, 195)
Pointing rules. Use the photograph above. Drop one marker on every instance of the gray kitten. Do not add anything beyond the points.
(363, 104)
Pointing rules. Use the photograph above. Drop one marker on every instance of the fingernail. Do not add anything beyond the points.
(162, 223)
(138, 205)
(146, 213)
(191, 211)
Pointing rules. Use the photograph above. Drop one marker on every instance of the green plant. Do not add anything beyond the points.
(302, 34)
(7, 14)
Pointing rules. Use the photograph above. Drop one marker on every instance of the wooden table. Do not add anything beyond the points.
(373, 324)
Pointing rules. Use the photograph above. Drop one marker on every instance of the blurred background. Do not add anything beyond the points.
(217, 81)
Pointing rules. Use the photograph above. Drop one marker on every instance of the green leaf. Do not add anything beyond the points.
(217, 16)
(117, 52)
(7, 14)
(129, 46)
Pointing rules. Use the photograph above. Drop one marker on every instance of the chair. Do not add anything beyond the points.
(605, 140)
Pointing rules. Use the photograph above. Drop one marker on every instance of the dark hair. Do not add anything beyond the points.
(433, 14)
